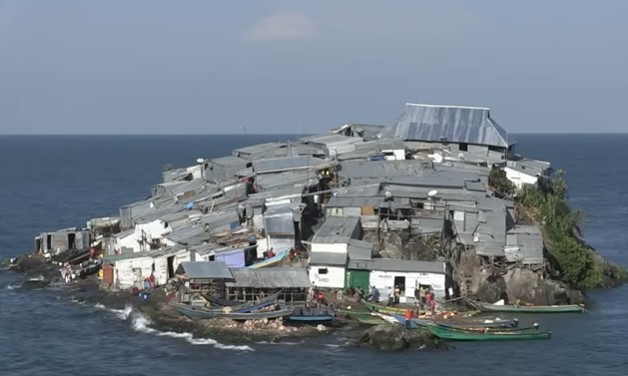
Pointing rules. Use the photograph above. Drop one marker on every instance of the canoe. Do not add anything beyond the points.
(461, 325)
(273, 261)
(462, 335)
(311, 319)
(200, 313)
(307, 315)
(487, 307)
(384, 309)
(488, 329)
(364, 318)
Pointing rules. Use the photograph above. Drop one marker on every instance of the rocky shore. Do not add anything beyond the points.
(38, 272)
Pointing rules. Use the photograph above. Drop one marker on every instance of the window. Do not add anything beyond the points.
(323, 271)
(463, 147)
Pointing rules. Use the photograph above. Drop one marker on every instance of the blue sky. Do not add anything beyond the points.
(199, 66)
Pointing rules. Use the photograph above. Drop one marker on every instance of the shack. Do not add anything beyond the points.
(202, 279)
(67, 239)
(251, 284)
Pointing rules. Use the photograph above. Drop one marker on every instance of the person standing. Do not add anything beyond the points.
(408, 319)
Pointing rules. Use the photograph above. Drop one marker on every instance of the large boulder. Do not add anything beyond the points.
(396, 337)
(528, 287)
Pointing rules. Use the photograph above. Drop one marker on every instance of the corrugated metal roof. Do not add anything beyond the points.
(270, 278)
(381, 169)
(471, 125)
(336, 230)
(206, 248)
(206, 270)
(360, 250)
(265, 150)
(329, 138)
(189, 234)
(264, 166)
(302, 178)
(353, 202)
(393, 265)
(328, 258)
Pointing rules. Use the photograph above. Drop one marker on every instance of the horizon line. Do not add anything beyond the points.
(261, 134)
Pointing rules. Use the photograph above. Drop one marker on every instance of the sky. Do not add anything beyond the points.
(290, 67)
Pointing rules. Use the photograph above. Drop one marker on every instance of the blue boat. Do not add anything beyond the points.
(306, 315)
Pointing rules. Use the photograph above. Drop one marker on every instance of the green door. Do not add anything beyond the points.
(357, 278)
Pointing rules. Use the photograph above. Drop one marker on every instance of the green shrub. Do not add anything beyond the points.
(548, 206)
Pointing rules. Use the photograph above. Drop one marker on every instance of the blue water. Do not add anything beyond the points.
(50, 182)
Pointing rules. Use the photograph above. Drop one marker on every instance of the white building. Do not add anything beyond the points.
(385, 274)
(526, 171)
(329, 251)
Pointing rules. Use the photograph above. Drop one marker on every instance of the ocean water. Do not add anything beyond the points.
(50, 182)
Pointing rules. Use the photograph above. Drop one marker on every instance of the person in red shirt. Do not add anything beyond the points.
(408, 319)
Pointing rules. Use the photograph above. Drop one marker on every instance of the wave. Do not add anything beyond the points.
(13, 286)
(141, 323)
(285, 343)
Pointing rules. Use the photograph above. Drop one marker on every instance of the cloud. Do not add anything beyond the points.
(281, 26)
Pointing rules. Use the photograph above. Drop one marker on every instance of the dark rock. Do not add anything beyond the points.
(396, 337)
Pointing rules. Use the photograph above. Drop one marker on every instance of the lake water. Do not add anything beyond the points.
(50, 182)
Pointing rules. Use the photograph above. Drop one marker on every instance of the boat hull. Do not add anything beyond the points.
(462, 335)
(486, 307)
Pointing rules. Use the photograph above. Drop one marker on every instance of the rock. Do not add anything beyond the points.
(321, 328)
(492, 287)
(396, 337)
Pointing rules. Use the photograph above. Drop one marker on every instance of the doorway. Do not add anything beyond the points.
(48, 242)
(170, 267)
(400, 281)
(72, 241)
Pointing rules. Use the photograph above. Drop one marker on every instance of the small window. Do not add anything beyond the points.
(463, 147)
(323, 271)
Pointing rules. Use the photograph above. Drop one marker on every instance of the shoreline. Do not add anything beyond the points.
(159, 318)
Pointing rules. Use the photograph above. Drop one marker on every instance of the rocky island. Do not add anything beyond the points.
(438, 201)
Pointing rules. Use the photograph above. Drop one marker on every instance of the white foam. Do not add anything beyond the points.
(140, 323)
(80, 302)
(122, 314)
(99, 306)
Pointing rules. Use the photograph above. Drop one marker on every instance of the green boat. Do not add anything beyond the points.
(364, 318)
(478, 329)
(487, 307)
(464, 335)
(385, 309)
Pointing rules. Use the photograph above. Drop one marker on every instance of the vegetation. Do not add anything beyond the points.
(168, 167)
(548, 206)
(500, 183)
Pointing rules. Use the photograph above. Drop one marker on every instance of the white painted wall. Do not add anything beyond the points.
(129, 241)
(335, 277)
(161, 270)
(394, 154)
(124, 273)
(385, 281)
(519, 178)
(329, 247)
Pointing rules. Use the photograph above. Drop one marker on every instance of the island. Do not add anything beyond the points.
(439, 202)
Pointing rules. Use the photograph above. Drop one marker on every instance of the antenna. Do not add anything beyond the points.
(244, 130)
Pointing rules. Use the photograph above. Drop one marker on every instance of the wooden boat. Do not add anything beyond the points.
(364, 318)
(487, 307)
(384, 309)
(462, 335)
(307, 315)
(488, 329)
(461, 325)
(200, 313)
(273, 261)
(221, 302)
